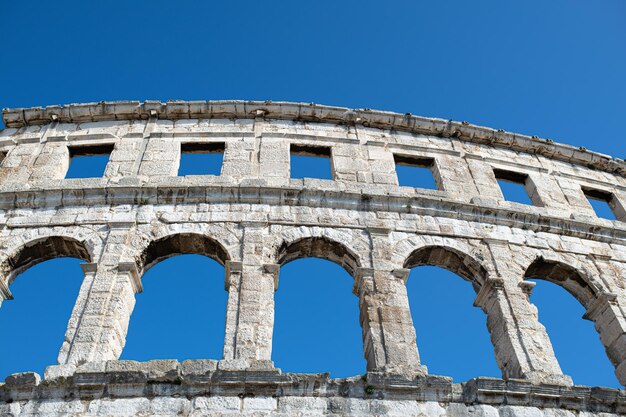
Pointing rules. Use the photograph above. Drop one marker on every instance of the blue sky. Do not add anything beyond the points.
(553, 69)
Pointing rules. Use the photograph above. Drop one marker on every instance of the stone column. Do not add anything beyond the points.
(608, 315)
(5, 293)
(89, 270)
(99, 321)
(38, 160)
(521, 344)
(240, 156)
(388, 332)
(52, 162)
(250, 308)
(274, 157)
(232, 284)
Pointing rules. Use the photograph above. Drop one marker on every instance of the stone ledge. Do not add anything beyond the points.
(371, 200)
(194, 378)
(135, 110)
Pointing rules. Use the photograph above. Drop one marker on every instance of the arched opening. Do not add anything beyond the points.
(452, 335)
(181, 312)
(319, 247)
(316, 322)
(453, 260)
(562, 296)
(34, 321)
(181, 244)
(41, 250)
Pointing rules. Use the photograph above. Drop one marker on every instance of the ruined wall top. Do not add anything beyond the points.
(308, 112)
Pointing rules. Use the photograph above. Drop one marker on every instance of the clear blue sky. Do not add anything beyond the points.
(549, 68)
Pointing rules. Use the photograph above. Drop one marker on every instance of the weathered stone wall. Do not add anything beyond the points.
(253, 218)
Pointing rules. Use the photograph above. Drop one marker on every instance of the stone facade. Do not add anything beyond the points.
(253, 218)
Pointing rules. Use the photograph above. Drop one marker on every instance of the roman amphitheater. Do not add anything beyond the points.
(253, 218)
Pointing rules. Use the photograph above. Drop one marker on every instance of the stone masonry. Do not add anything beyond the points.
(253, 218)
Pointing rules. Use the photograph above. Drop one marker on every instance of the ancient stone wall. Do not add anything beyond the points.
(253, 218)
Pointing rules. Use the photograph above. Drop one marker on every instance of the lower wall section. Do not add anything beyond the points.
(264, 406)
(211, 388)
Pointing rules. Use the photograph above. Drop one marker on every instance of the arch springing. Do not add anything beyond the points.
(319, 247)
(41, 250)
(451, 259)
(181, 244)
(566, 276)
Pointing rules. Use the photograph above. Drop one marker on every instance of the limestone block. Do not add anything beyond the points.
(515, 411)
(10, 410)
(202, 405)
(56, 373)
(296, 404)
(197, 369)
(256, 404)
(56, 407)
(119, 407)
(22, 379)
(168, 406)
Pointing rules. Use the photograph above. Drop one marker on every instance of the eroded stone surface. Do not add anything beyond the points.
(253, 218)
(157, 388)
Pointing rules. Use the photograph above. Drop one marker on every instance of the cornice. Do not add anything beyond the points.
(309, 112)
(129, 379)
(529, 218)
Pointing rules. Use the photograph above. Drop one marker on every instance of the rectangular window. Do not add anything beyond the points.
(515, 187)
(89, 161)
(415, 172)
(201, 158)
(603, 203)
(310, 162)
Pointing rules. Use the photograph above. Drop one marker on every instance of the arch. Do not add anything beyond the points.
(168, 245)
(452, 259)
(319, 247)
(574, 280)
(330, 340)
(438, 298)
(22, 252)
(42, 249)
(38, 320)
(574, 277)
(143, 241)
(200, 304)
(180, 244)
(473, 254)
(462, 260)
(289, 243)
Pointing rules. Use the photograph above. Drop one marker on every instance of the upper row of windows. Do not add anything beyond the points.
(314, 162)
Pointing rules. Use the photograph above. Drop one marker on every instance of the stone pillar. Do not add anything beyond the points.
(124, 157)
(382, 164)
(156, 155)
(274, 159)
(89, 270)
(36, 158)
(5, 293)
(232, 284)
(52, 162)
(250, 308)
(522, 347)
(17, 164)
(608, 316)
(350, 161)
(99, 321)
(240, 157)
(388, 332)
